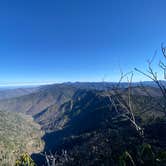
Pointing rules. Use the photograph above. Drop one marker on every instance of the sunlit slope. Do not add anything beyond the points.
(18, 134)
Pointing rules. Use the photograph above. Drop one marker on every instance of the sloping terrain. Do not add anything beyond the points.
(93, 132)
(58, 94)
(18, 134)
(38, 101)
(56, 116)
(17, 92)
(86, 123)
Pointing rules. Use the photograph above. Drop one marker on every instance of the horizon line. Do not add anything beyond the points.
(40, 83)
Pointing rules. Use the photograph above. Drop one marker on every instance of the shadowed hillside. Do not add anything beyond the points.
(86, 123)
(93, 132)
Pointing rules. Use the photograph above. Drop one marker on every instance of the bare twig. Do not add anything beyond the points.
(153, 76)
(120, 100)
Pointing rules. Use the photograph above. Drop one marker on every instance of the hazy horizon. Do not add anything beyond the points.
(37, 84)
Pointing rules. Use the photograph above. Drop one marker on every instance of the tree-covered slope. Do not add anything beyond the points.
(86, 123)
(16, 92)
(18, 134)
(94, 133)
(40, 100)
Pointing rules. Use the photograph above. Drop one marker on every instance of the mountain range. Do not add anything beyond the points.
(82, 118)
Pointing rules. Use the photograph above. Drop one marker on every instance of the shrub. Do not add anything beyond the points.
(25, 160)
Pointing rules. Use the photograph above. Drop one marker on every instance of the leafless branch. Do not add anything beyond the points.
(153, 76)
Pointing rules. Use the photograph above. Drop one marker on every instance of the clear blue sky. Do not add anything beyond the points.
(77, 40)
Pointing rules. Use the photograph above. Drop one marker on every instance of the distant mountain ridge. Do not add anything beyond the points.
(77, 116)
(36, 102)
(57, 94)
(12, 92)
(103, 85)
(16, 92)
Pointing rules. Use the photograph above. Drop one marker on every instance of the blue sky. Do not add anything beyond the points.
(77, 40)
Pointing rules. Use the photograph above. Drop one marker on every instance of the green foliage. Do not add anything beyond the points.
(161, 158)
(24, 160)
(147, 155)
(126, 160)
(144, 156)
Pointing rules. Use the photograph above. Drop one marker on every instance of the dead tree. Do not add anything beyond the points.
(152, 75)
(57, 159)
(124, 101)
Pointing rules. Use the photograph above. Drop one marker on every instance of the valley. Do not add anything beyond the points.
(84, 121)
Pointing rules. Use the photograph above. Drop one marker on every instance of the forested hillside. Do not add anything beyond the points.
(88, 126)
(18, 134)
